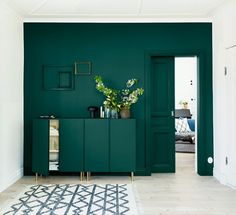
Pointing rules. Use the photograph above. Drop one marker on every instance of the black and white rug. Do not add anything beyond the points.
(75, 199)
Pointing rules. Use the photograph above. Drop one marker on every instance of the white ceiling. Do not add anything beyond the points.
(113, 8)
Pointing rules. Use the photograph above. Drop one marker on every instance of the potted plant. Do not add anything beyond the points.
(128, 97)
(111, 102)
(184, 104)
(118, 100)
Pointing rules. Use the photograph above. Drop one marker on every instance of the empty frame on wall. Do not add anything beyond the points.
(83, 67)
(57, 77)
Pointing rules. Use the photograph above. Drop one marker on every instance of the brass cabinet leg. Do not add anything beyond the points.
(81, 176)
(36, 176)
(132, 176)
(88, 176)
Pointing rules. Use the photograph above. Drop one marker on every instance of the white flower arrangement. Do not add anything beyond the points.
(116, 99)
(128, 96)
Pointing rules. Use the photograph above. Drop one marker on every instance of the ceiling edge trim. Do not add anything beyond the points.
(118, 19)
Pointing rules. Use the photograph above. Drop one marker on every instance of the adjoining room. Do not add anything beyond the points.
(186, 113)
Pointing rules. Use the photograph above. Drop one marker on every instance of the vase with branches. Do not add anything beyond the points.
(111, 103)
(119, 100)
(129, 96)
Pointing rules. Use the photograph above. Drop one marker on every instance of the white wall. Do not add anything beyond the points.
(224, 36)
(185, 72)
(11, 97)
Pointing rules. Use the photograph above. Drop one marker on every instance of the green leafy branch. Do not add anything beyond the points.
(116, 99)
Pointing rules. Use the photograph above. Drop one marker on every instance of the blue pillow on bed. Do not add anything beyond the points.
(191, 123)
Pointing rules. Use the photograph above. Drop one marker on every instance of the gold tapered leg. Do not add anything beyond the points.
(81, 176)
(36, 176)
(132, 176)
(87, 176)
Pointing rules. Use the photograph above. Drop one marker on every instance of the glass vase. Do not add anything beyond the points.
(114, 114)
(107, 112)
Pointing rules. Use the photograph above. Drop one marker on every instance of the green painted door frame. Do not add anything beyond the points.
(204, 107)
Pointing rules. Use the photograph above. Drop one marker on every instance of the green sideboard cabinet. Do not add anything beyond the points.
(58, 145)
(71, 145)
(110, 145)
(122, 145)
(79, 145)
(96, 145)
(40, 147)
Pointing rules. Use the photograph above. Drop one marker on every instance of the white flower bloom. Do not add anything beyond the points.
(130, 83)
(125, 92)
(125, 99)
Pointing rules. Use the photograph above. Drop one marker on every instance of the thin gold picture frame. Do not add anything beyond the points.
(79, 71)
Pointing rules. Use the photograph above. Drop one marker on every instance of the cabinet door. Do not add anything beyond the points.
(71, 145)
(96, 145)
(40, 146)
(122, 145)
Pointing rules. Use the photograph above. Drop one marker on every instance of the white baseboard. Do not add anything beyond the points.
(232, 186)
(232, 180)
(222, 178)
(11, 179)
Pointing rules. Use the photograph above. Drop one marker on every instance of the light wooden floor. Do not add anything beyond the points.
(182, 193)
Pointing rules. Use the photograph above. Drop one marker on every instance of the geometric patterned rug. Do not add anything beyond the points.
(90, 199)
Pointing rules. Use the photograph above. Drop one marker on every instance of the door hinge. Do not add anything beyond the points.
(226, 161)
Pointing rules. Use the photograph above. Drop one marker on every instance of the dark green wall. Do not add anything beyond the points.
(117, 52)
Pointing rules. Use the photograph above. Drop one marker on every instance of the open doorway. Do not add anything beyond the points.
(185, 113)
